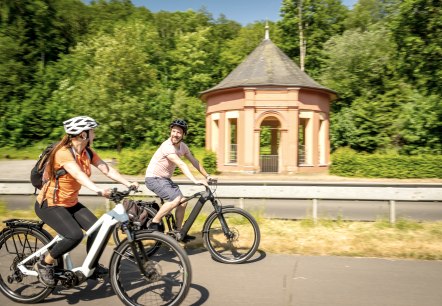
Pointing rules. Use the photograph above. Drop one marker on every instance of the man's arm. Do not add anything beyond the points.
(197, 164)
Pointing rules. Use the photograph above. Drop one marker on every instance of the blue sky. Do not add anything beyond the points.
(243, 11)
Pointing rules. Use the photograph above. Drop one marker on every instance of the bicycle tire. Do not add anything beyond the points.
(169, 268)
(243, 242)
(118, 234)
(15, 245)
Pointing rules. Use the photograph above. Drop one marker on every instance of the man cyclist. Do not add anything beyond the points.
(161, 168)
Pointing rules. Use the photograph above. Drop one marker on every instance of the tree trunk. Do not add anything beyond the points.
(302, 43)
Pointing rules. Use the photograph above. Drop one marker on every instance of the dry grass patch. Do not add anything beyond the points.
(405, 239)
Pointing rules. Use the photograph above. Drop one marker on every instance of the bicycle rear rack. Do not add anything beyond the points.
(13, 223)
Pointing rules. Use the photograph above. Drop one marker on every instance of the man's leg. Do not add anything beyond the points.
(179, 215)
(165, 209)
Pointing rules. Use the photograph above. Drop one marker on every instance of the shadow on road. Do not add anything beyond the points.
(89, 291)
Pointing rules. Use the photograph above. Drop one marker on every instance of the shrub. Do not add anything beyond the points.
(347, 162)
(209, 162)
(134, 162)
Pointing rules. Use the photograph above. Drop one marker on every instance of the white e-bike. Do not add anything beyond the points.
(137, 276)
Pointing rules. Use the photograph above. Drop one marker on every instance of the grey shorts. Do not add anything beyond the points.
(163, 187)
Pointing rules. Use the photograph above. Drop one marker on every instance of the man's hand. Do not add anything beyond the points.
(134, 185)
(202, 183)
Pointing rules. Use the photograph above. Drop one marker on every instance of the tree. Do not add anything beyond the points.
(116, 84)
(358, 64)
(193, 111)
(417, 31)
(313, 21)
(190, 70)
(367, 13)
(419, 125)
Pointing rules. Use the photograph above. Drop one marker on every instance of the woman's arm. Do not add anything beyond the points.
(73, 169)
(114, 174)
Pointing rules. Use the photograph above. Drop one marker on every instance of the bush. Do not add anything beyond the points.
(134, 162)
(346, 162)
(209, 162)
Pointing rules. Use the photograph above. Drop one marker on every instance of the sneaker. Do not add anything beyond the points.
(99, 272)
(45, 274)
(188, 238)
(154, 227)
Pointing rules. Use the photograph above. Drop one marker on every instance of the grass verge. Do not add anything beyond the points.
(406, 239)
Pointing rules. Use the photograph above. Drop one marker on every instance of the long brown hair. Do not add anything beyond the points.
(64, 142)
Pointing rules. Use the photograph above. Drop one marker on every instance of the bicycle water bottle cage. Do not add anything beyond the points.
(12, 223)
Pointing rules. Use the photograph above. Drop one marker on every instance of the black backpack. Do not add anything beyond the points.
(39, 168)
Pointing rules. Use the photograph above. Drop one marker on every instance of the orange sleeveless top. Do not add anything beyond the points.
(68, 188)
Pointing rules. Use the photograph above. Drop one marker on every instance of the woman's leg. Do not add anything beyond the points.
(85, 219)
(59, 218)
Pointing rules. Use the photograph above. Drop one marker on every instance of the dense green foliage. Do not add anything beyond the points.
(346, 162)
(134, 70)
(134, 162)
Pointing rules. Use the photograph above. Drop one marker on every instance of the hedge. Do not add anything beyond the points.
(347, 162)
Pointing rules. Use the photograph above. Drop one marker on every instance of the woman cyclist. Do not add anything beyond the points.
(57, 203)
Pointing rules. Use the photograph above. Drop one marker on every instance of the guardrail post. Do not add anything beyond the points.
(241, 203)
(107, 205)
(315, 210)
(392, 211)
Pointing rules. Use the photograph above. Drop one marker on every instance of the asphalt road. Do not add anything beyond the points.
(287, 280)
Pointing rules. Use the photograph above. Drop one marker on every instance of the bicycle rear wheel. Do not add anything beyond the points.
(236, 245)
(15, 245)
(169, 272)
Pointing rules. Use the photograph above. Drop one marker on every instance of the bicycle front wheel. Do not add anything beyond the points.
(235, 242)
(15, 245)
(169, 272)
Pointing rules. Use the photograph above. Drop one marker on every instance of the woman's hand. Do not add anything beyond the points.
(105, 193)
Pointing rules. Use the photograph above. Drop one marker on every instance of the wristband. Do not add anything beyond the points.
(99, 193)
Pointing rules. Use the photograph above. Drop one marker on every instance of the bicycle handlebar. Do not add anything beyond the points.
(116, 196)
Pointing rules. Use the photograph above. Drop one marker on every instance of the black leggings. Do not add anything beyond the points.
(69, 222)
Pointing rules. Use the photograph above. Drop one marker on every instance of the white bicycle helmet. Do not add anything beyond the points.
(76, 125)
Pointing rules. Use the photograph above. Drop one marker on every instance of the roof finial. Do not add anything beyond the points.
(267, 36)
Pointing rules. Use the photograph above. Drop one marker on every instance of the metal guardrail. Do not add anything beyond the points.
(285, 190)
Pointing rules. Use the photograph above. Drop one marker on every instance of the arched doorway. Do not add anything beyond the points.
(269, 141)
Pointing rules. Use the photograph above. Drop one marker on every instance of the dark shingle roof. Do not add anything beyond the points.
(267, 65)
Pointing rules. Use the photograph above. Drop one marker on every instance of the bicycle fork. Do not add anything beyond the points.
(219, 212)
(137, 249)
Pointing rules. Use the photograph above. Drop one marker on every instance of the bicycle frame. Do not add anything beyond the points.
(106, 224)
(204, 196)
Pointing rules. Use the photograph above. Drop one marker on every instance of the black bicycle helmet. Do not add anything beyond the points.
(181, 123)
